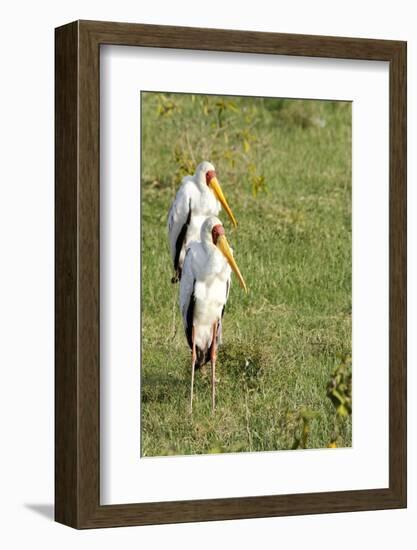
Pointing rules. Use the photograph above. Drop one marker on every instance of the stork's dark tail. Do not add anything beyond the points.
(203, 357)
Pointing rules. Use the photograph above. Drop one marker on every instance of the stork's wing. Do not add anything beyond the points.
(179, 217)
(187, 298)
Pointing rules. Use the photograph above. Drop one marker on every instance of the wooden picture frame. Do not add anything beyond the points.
(77, 375)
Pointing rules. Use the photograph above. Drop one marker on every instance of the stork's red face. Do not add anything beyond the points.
(210, 174)
(216, 232)
(214, 185)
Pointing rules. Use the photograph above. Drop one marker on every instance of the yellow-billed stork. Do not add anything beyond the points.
(204, 290)
(198, 197)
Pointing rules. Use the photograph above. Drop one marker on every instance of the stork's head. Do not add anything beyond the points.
(213, 234)
(206, 176)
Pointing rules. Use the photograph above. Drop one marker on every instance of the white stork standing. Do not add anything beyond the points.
(204, 290)
(198, 197)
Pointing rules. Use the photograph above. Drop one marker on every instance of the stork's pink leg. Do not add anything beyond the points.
(213, 356)
(193, 359)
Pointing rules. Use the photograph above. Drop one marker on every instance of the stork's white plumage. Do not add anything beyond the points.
(198, 197)
(204, 290)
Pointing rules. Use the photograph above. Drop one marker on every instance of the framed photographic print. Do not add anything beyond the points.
(230, 274)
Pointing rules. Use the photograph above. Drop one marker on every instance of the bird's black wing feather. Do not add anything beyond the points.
(190, 318)
(180, 241)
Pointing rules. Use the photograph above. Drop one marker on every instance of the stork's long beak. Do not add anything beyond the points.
(225, 249)
(217, 190)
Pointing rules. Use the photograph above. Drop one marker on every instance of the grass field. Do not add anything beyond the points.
(285, 167)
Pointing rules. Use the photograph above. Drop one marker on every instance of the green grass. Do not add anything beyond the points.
(282, 341)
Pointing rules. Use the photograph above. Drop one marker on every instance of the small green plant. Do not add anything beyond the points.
(166, 106)
(185, 164)
(303, 421)
(257, 180)
(223, 105)
(339, 391)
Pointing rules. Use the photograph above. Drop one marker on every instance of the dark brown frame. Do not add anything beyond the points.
(77, 274)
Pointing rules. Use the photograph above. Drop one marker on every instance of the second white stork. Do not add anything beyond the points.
(198, 197)
(204, 290)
